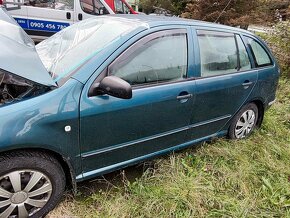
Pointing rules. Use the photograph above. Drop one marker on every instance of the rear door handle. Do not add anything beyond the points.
(182, 97)
(247, 84)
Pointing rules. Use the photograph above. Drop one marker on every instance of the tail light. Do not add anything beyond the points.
(1, 2)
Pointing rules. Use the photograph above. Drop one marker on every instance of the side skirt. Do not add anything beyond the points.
(134, 161)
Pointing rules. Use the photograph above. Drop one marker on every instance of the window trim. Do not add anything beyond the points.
(238, 54)
(246, 48)
(161, 33)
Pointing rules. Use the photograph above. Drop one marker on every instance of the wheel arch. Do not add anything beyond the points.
(261, 110)
(65, 164)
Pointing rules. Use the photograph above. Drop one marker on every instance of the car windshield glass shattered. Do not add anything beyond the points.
(62, 53)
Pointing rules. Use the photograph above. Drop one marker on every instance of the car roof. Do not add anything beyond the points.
(154, 21)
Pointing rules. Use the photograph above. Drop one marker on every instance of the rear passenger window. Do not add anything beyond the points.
(218, 53)
(262, 58)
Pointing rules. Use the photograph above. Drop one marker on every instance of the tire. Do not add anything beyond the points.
(31, 184)
(245, 122)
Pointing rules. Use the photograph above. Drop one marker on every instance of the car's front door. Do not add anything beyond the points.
(224, 83)
(117, 131)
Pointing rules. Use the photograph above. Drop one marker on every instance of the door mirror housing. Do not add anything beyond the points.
(113, 86)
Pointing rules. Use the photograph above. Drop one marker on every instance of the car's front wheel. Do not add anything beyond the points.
(31, 184)
(244, 123)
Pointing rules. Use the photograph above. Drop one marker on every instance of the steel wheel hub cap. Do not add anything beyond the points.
(245, 124)
(23, 193)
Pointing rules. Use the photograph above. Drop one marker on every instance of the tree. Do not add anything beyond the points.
(175, 7)
(273, 10)
(179, 6)
(279, 41)
(230, 12)
(147, 5)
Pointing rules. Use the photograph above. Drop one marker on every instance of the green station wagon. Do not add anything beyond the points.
(110, 92)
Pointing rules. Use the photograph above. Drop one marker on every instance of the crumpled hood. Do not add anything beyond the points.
(18, 54)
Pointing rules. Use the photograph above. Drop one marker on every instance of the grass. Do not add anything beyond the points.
(246, 178)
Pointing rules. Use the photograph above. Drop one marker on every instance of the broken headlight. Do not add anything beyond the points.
(15, 88)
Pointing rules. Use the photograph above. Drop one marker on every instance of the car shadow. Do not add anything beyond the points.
(116, 179)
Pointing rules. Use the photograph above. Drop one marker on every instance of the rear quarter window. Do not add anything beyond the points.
(261, 56)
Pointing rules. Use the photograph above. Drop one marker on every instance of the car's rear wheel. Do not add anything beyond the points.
(244, 123)
(31, 184)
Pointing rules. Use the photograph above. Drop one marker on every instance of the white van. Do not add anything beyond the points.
(42, 18)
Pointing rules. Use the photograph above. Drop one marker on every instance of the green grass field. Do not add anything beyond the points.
(246, 178)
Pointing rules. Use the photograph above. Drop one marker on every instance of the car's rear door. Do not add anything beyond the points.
(116, 131)
(224, 80)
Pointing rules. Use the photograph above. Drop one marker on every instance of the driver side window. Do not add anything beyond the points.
(157, 58)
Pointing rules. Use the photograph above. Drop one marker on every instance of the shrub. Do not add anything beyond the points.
(279, 42)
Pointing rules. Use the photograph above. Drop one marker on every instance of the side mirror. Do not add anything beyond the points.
(113, 86)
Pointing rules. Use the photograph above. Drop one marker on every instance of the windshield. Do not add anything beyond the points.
(62, 53)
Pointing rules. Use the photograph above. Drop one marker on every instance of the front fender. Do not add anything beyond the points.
(39, 123)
